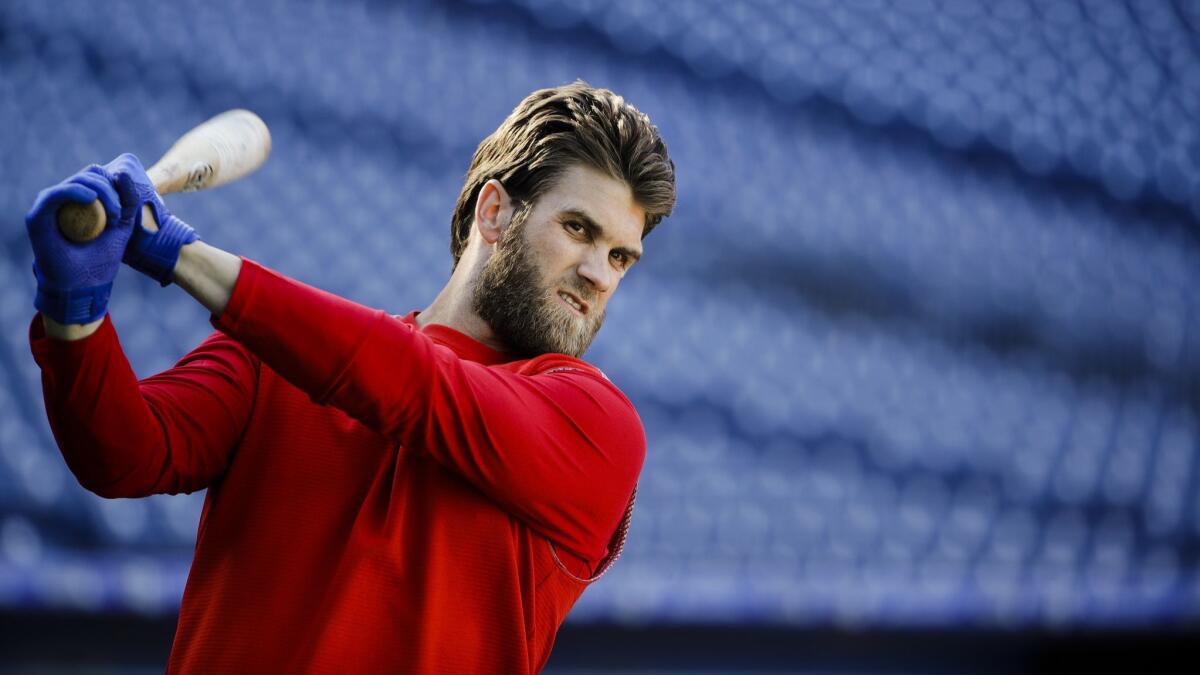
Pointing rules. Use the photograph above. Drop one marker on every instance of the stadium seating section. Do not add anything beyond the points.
(916, 348)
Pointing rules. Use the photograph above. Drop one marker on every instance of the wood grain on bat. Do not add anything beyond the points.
(221, 149)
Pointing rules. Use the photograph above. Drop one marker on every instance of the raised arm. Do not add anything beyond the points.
(172, 432)
(554, 442)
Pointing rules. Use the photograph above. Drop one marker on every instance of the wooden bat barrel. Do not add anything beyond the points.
(217, 151)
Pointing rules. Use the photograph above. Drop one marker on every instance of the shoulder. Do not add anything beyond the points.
(568, 366)
(593, 399)
(547, 362)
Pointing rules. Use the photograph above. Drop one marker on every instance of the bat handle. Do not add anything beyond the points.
(82, 223)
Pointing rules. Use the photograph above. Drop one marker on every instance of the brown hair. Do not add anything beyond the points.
(553, 129)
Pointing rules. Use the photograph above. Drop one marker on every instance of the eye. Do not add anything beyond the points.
(574, 226)
(621, 259)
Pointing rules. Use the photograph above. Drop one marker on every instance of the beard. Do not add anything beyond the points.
(524, 311)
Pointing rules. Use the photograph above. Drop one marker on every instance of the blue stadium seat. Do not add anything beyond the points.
(915, 346)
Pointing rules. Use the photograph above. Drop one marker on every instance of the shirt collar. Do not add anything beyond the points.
(460, 343)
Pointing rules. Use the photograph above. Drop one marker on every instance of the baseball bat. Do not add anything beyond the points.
(219, 150)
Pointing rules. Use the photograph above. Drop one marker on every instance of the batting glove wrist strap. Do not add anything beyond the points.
(71, 305)
(155, 253)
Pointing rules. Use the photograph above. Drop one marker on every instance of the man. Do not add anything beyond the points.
(426, 493)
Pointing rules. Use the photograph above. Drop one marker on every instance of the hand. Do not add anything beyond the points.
(154, 252)
(74, 280)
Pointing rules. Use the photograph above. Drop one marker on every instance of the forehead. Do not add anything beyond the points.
(607, 200)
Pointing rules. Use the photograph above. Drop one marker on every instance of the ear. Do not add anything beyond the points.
(493, 211)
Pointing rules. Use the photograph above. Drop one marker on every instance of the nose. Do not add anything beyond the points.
(595, 269)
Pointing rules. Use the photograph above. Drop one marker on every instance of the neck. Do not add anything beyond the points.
(452, 307)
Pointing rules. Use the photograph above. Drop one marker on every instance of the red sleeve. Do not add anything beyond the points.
(173, 432)
(554, 442)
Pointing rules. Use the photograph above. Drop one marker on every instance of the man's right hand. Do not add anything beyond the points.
(74, 280)
(153, 247)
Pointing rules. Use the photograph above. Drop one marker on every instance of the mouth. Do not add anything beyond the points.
(578, 306)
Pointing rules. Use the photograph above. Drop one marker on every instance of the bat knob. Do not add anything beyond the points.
(81, 223)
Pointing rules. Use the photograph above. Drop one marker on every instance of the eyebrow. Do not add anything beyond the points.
(595, 230)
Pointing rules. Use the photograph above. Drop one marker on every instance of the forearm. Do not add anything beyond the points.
(69, 331)
(208, 274)
(171, 432)
(107, 434)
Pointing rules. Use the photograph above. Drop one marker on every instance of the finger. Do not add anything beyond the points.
(90, 168)
(125, 164)
(51, 198)
(101, 185)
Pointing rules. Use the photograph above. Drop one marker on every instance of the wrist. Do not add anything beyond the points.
(208, 274)
(71, 306)
(70, 331)
(155, 244)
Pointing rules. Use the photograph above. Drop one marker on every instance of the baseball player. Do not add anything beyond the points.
(422, 493)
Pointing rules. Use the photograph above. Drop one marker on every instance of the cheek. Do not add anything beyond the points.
(556, 258)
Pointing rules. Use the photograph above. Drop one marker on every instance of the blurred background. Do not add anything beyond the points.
(916, 354)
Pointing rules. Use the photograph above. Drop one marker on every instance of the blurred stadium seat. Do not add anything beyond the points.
(917, 348)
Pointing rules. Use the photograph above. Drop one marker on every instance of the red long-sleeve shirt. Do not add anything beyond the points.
(381, 497)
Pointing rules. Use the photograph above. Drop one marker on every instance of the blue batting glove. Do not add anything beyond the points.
(74, 280)
(151, 252)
